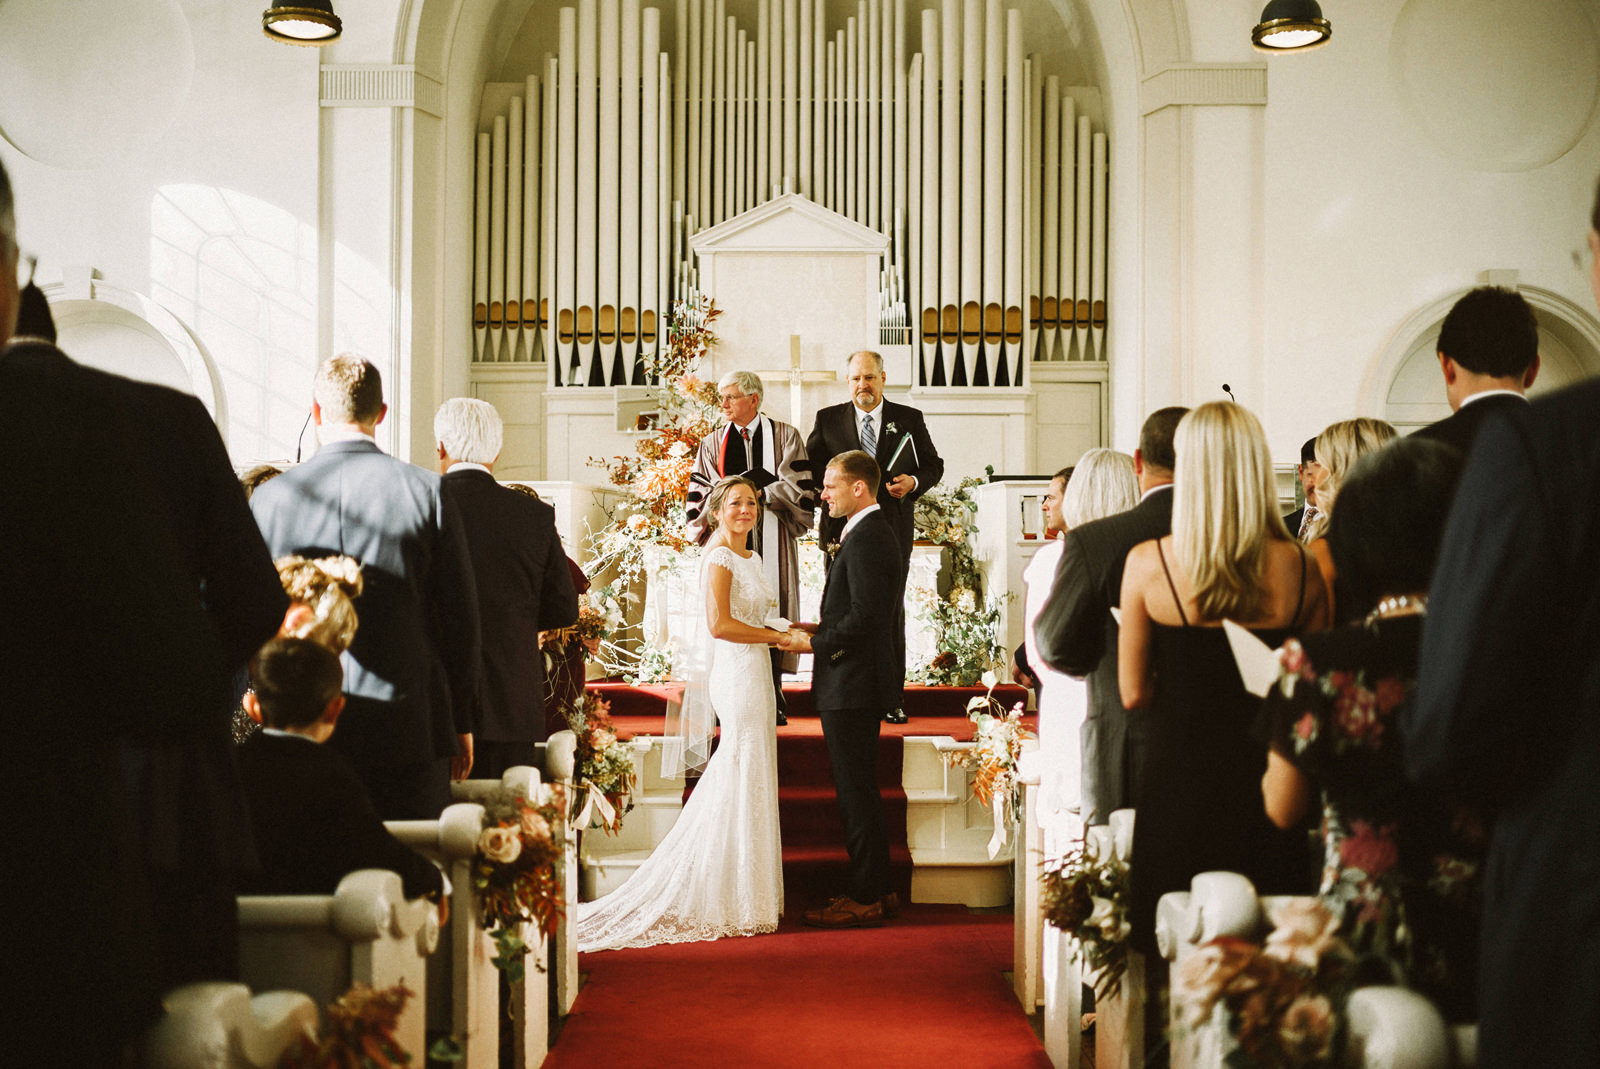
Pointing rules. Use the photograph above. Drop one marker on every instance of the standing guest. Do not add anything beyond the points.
(1308, 471)
(1403, 863)
(104, 646)
(894, 435)
(1337, 450)
(313, 819)
(523, 586)
(1489, 356)
(1508, 708)
(411, 676)
(860, 673)
(772, 455)
(1102, 484)
(1076, 633)
(1229, 557)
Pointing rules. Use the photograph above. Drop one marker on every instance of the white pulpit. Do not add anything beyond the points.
(1010, 532)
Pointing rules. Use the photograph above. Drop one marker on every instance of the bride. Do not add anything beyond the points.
(719, 871)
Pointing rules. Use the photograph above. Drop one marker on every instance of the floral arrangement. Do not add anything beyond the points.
(996, 749)
(1086, 896)
(514, 874)
(948, 516)
(592, 627)
(358, 1032)
(1283, 999)
(604, 772)
(964, 635)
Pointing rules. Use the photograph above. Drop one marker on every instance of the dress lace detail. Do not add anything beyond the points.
(719, 871)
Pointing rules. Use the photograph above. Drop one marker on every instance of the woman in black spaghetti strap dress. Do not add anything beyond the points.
(1229, 557)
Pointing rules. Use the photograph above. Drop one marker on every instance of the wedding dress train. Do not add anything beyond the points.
(719, 871)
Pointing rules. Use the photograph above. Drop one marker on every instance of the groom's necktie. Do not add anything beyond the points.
(869, 440)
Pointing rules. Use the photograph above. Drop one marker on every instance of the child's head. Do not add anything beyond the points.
(297, 683)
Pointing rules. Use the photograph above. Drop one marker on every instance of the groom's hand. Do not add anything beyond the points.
(795, 641)
(809, 629)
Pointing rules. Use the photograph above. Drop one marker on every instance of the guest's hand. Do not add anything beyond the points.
(901, 485)
(461, 763)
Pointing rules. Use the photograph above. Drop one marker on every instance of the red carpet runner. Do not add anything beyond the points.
(925, 989)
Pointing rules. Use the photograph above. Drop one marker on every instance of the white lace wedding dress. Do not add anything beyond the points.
(719, 871)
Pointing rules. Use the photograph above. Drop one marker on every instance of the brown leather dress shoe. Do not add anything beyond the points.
(845, 912)
(891, 904)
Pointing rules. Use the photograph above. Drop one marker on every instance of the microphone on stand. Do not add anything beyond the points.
(1229, 392)
(300, 441)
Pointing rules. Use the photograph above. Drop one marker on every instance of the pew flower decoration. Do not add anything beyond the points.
(358, 1032)
(1086, 896)
(592, 628)
(604, 773)
(1282, 1000)
(996, 749)
(514, 874)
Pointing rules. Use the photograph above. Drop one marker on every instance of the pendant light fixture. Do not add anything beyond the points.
(305, 22)
(1291, 26)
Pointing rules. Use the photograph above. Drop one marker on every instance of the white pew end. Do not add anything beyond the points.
(220, 1026)
(1119, 1020)
(530, 997)
(365, 932)
(464, 985)
(560, 766)
(1394, 1028)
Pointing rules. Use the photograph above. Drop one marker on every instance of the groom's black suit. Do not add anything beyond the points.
(858, 675)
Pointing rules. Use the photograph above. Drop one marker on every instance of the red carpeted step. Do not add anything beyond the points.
(810, 815)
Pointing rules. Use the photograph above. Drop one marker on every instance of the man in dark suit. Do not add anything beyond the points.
(103, 646)
(1077, 634)
(1508, 709)
(1308, 471)
(897, 437)
(411, 676)
(858, 675)
(523, 585)
(1489, 356)
(314, 822)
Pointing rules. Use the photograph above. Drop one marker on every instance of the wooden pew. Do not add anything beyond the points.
(463, 995)
(560, 758)
(365, 932)
(220, 1026)
(530, 997)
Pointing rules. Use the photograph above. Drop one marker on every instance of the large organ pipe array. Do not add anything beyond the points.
(989, 180)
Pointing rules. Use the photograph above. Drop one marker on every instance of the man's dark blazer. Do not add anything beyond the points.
(411, 676)
(103, 645)
(523, 589)
(315, 824)
(835, 432)
(1508, 711)
(1077, 634)
(856, 664)
(1461, 427)
(1293, 521)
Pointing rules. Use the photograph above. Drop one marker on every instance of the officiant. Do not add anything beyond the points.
(773, 455)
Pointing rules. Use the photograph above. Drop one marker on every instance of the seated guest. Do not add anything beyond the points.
(1403, 862)
(314, 822)
(1337, 450)
(1229, 557)
(1308, 471)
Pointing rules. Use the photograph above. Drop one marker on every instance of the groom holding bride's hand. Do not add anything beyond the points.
(857, 676)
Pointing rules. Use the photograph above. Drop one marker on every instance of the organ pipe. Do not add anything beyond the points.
(988, 178)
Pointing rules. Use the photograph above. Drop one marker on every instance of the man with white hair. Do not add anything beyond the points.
(411, 676)
(523, 584)
(774, 455)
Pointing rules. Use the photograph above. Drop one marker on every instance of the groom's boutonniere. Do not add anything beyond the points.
(831, 550)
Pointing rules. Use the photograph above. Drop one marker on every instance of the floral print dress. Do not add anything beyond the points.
(1402, 862)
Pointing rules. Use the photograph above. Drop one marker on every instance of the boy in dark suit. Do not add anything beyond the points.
(314, 822)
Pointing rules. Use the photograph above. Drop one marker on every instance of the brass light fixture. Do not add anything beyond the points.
(1291, 26)
(305, 22)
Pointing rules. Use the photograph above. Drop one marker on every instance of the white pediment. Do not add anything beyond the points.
(790, 223)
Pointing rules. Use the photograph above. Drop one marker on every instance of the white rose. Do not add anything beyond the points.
(500, 844)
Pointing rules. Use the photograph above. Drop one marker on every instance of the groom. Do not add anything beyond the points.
(856, 678)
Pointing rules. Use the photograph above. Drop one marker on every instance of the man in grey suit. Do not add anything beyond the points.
(412, 674)
(1078, 635)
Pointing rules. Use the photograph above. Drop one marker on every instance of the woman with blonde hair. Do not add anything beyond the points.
(1338, 448)
(1101, 484)
(1229, 557)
